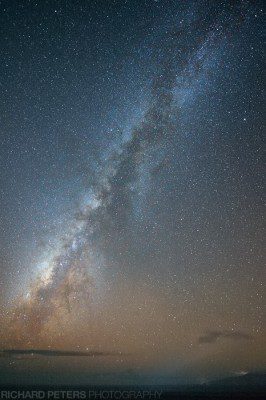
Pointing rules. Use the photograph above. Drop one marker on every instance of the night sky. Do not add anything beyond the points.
(131, 191)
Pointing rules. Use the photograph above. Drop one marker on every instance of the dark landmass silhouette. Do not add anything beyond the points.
(248, 386)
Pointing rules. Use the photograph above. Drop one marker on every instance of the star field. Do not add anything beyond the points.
(131, 191)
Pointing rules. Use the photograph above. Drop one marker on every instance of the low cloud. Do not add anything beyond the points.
(213, 336)
(54, 353)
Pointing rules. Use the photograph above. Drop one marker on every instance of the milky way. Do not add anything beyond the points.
(136, 226)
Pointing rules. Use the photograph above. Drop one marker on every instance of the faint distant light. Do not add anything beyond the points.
(241, 373)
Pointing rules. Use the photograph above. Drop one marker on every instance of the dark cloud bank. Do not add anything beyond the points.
(213, 336)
